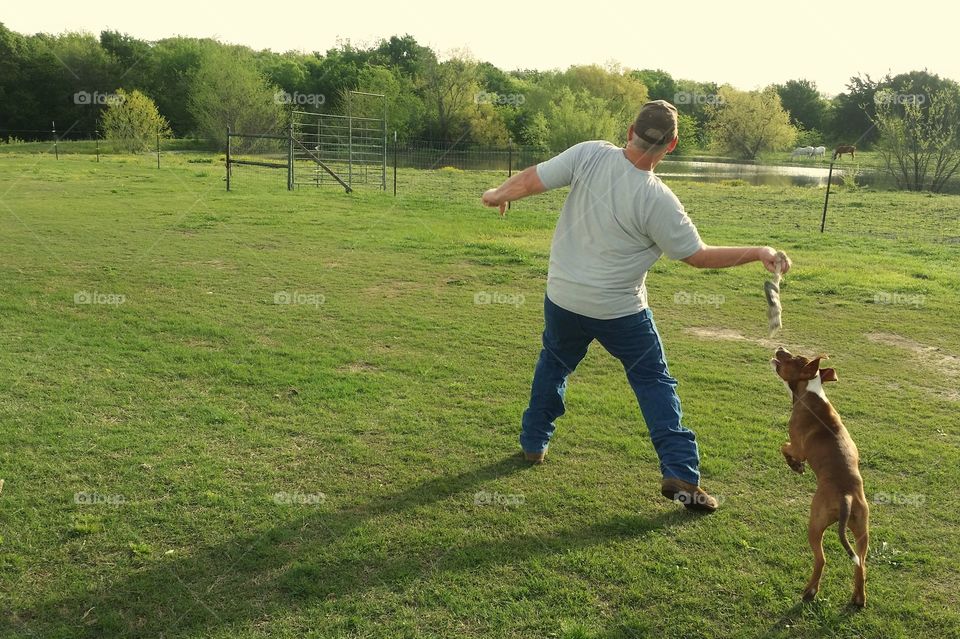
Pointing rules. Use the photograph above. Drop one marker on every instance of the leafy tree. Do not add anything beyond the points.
(486, 125)
(696, 99)
(919, 142)
(131, 122)
(335, 74)
(621, 93)
(404, 54)
(406, 110)
(687, 133)
(803, 102)
(660, 84)
(286, 71)
(851, 112)
(580, 116)
(227, 91)
(745, 124)
(535, 132)
(171, 66)
(449, 88)
(129, 54)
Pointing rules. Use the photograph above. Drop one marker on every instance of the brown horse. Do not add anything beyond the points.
(845, 148)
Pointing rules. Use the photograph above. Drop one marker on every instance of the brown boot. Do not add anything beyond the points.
(690, 495)
(535, 458)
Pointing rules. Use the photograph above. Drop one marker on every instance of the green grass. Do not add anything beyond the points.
(311, 470)
(89, 147)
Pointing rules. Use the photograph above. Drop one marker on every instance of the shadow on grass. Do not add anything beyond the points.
(825, 623)
(254, 575)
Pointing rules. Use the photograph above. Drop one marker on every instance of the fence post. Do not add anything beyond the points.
(56, 146)
(158, 148)
(509, 164)
(228, 157)
(823, 220)
(394, 163)
(96, 136)
(290, 157)
(383, 175)
(350, 139)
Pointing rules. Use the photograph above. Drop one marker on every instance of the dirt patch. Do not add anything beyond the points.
(357, 367)
(392, 290)
(932, 358)
(728, 335)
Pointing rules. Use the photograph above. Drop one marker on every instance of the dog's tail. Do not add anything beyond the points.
(845, 504)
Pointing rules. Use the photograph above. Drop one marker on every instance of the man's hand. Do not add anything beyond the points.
(490, 198)
(768, 256)
(522, 184)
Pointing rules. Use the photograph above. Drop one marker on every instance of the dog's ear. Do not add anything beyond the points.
(828, 375)
(811, 369)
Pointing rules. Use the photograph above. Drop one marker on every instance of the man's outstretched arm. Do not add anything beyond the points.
(726, 256)
(524, 183)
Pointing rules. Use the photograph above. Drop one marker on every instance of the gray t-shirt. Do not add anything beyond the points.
(616, 222)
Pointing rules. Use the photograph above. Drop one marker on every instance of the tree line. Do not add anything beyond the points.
(189, 87)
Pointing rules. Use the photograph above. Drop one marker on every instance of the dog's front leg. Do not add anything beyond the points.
(794, 459)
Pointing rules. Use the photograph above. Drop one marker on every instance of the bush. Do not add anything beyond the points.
(131, 122)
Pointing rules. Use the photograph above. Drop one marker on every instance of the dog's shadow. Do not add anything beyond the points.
(786, 625)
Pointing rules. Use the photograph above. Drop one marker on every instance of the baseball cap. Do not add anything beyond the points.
(656, 124)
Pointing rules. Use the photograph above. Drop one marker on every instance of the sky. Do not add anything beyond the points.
(746, 43)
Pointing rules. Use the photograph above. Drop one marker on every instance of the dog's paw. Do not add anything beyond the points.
(795, 464)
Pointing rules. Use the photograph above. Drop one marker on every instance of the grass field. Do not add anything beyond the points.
(271, 414)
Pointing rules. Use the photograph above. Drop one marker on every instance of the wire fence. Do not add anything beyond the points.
(430, 172)
(73, 142)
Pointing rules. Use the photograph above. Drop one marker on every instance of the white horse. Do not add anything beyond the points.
(802, 151)
(819, 151)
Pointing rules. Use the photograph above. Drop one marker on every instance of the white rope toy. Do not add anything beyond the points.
(772, 289)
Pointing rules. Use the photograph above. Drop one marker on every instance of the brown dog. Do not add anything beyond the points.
(845, 148)
(818, 437)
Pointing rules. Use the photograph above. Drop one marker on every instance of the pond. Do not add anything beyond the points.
(761, 174)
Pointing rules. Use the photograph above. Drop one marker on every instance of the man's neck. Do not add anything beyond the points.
(641, 159)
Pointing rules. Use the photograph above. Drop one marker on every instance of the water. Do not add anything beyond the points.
(758, 174)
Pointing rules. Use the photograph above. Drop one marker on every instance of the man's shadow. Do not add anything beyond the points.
(270, 571)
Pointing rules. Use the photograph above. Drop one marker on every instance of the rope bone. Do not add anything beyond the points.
(772, 289)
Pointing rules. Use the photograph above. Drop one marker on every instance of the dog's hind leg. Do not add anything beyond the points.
(819, 520)
(860, 527)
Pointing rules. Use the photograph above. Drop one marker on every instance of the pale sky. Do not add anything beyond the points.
(746, 43)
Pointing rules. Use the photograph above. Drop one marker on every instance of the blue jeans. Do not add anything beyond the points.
(633, 340)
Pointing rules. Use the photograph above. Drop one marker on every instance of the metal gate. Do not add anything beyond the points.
(346, 149)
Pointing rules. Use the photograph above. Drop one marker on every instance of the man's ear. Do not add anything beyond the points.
(828, 375)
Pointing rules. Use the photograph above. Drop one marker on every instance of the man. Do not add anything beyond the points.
(616, 222)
